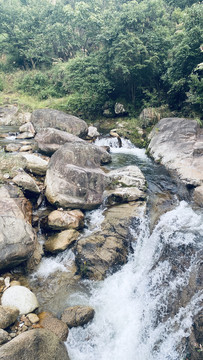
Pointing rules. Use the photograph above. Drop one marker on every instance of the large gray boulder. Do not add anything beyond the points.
(49, 140)
(17, 238)
(49, 118)
(108, 248)
(177, 143)
(8, 316)
(74, 178)
(37, 344)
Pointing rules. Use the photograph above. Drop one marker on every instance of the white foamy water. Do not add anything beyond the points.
(50, 265)
(93, 221)
(127, 147)
(131, 320)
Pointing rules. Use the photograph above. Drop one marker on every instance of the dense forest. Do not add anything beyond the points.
(93, 53)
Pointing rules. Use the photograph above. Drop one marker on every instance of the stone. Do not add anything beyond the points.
(120, 109)
(12, 147)
(26, 148)
(80, 182)
(123, 195)
(77, 315)
(33, 318)
(37, 344)
(27, 127)
(49, 118)
(35, 164)
(107, 249)
(4, 336)
(14, 283)
(8, 115)
(149, 116)
(61, 220)
(177, 143)
(61, 241)
(17, 238)
(198, 195)
(26, 182)
(8, 315)
(49, 140)
(25, 135)
(50, 322)
(92, 132)
(21, 298)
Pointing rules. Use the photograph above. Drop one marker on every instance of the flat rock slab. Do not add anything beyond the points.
(35, 164)
(49, 118)
(74, 178)
(37, 344)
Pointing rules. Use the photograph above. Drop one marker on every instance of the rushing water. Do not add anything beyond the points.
(144, 311)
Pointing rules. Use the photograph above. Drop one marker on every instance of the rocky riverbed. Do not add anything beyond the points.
(48, 187)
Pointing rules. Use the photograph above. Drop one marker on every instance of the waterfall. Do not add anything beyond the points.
(139, 312)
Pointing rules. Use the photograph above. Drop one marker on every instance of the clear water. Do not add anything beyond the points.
(132, 320)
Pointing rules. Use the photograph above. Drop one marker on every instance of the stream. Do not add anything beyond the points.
(145, 310)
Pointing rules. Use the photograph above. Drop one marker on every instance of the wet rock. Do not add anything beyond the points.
(17, 238)
(4, 336)
(77, 315)
(8, 315)
(108, 248)
(27, 127)
(198, 195)
(61, 219)
(49, 140)
(12, 147)
(123, 195)
(61, 241)
(48, 118)
(177, 143)
(35, 164)
(21, 298)
(49, 322)
(81, 182)
(37, 344)
(92, 132)
(26, 182)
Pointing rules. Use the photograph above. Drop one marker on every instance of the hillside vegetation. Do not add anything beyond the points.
(84, 56)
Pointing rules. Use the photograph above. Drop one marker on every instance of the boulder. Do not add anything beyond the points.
(25, 135)
(17, 238)
(120, 109)
(149, 116)
(4, 336)
(37, 344)
(21, 298)
(108, 248)
(35, 164)
(26, 182)
(8, 315)
(8, 115)
(61, 241)
(77, 315)
(26, 148)
(27, 127)
(92, 132)
(49, 140)
(177, 143)
(127, 184)
(61, 219)
(48, 118)
(49, 322)
(74, 178)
